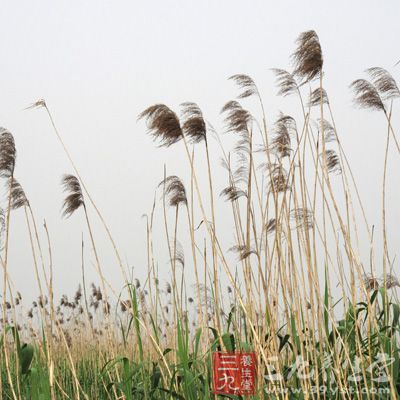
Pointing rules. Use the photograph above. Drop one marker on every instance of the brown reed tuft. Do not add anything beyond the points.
(194, 126)
(304, 218)
(232, 193)
(329, 131)
(243, 251)
(315, 97)
(174, 190)
(366, 95)
(179, 254)
(332, 161)
(74, 200)
(270, 225)
(370, 282)
(286, 82)
(281, 144)
(8, 153)
(384, 83)
(237, 119)
(18, 197)
(163, 124)
(278, 180)
(307, 58)
(246, 84)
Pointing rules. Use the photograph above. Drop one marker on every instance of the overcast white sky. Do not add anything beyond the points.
(98, 64)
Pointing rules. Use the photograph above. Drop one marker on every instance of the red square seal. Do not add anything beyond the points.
(234, 373)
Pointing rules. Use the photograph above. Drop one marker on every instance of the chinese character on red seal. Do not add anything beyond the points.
(234, 373)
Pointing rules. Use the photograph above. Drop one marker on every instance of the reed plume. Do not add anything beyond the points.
(332, 161)
(243, 251)
(307, 58)
(286, 82)
(175, 191)
(278, 180)
(194, 126)
(2, 228)
(74, 199)
(367, 95)
(281, 143)
(329, 131)
(315, 97)
(384, 83)
(270, 226)
(179, 255)
(304, 218)
(163, 124)
(370, 282)
(231, 193)
(18, 197)
(237, 119)
(8, 153)
(37, 104)
(246, 84)
(391, 281)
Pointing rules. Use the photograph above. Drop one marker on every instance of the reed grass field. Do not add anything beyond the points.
(308, 284)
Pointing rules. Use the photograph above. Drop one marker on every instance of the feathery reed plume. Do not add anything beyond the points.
(278, 180)
(223, 163)
(332, 161)
(193, 125)
(8, 153)
(74, 200)
(168, 288)
(174, 190)
(303, 218)
(37, 104)
(270, 225)
(106, 308)
(245, 83)
(78, 295)
(125, 305)
(179, 256)
(96, 292)
(2, 227)
(384, 83)
(370, 282)
(329, 131)
(18, 197)
(285, 81)
(231, 193)
(281, 144)
(266, 166)
(243, 251)
(391, 281)
(366, 95)
(307, 59)
(315, 97)
(163, 124)
(237, 118)
(137, 283)
(242, 151)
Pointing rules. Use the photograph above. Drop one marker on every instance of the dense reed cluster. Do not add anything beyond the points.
(290, 283)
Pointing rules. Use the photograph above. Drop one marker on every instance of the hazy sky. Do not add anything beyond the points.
(98, 64)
